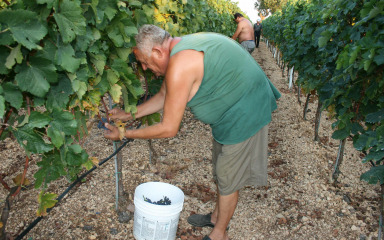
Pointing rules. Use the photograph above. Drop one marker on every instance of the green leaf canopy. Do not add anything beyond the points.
(25, 27)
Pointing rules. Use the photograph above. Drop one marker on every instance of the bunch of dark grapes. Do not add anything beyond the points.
(164, 201)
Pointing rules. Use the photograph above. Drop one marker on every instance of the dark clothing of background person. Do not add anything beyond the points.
(257, 28)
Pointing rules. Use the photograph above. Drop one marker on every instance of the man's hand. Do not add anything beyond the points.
(112, 133)
(119, 114)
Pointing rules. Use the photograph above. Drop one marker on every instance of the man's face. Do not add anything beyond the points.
(153, 63)
(237, 20)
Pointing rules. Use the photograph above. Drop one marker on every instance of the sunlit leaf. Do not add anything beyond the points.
(80, 88)
(17, 180)
(14, 57)
(115, 92)
(45, 200)
(99, 60)
(112, 77)
(121, 127)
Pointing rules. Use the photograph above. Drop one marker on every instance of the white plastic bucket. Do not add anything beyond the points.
(157, 222)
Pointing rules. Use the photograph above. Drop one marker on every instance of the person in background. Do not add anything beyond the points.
(257, 28)
(224, 87)
(244, 32)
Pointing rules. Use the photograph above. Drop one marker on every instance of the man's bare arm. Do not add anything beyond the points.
(238, 31)
(181, 74)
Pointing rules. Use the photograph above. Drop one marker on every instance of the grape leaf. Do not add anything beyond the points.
(374, 175)
(30, 140)
(46, 200)
(376, 156)
(58, 95)
(84, 42)
(49, 3)
(130, 30)
(6, 38)
(79, 87)
(341, 134)
(123, 53)
(36, 76)
(14, 56)
(17, 180)
(112, 77)
(2, 106)
(13, 95)
(76, 156)
(64, 121)
(51, 168)
(115, 33)
(4, 53)
(375, 117)
(136, 90)
(25, 27)
(38, 120)
(56, 136)
(65, 58)
(115, 92)
(323, 40)
(89, 164)
(99, 60)
(70, 20)
(135, 3)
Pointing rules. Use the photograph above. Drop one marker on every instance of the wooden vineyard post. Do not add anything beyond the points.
(381, 235)
(5, 213)
(317, 119)
(119, 178)
(121, 200)
(306, 107)
(339, 160)
(298, 94)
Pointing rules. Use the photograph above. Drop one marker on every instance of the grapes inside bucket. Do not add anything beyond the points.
(157, 211)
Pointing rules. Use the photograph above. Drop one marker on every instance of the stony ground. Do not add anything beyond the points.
(299, 202)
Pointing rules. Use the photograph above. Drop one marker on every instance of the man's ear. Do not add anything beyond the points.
(157, 52)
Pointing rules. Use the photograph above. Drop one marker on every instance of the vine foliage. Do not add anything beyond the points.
(337, 48)
(58, 58)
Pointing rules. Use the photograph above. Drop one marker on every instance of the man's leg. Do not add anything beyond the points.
(224, 210)
(258, 40)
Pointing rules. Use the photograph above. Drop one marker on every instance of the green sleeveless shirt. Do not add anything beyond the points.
(235, 97)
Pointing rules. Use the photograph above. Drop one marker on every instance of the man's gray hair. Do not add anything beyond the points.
(150, 36)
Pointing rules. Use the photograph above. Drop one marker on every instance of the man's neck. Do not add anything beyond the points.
(173, 42)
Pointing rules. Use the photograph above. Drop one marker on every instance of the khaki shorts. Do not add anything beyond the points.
(241, 164)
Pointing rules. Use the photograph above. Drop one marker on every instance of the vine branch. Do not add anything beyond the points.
(105, 107)
(4, 183)
(6, 119)
(23, 177)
